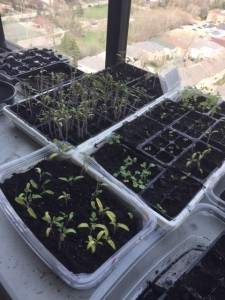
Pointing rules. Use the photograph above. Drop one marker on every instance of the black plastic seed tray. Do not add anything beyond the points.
(199, 161)
(205, 279)
(194, 124)
(14, 63)
(170, 193)
(166, 146)
(48, 77)
(166, 112)
(138, 130)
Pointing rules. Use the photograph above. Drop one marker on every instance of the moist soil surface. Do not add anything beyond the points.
(171, 193)
(73, 253)
(206, 159)
(113, 157)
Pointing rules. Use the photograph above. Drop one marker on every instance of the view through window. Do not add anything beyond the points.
(76, 28)
(163, 34)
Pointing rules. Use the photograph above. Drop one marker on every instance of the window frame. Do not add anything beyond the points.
(116, 35)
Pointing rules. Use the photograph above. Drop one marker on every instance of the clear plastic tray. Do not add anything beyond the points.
(81, 281)
(43, 140)
(215, 188)
(161, 220)
(165, 260)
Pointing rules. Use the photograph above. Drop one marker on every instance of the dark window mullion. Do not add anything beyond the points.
(117, 31)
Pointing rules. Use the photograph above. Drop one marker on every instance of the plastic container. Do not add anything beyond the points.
(215, 188)
(166, 259)
(80, 281)
(46, 78)
(127, 73)
(204, 279)
(33, 132)
(165, 147)
(133, 195)
(7, 94)
(18, 62)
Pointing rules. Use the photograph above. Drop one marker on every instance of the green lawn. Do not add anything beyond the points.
(96, 12)
(92, 42)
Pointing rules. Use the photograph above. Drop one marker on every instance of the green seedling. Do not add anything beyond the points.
(114, 222)
(65, 196)
(51, 221)
(196, 159)
(26, 198)
(70, 180)
(161, 209)
(62, 228)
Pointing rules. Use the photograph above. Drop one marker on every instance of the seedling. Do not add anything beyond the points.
(113, 139)
(70, 180)
(65, 196)
(114, 222)
(51, 221)
(92, 243)
(98, 206)
(196, 159)
(139, 179)
(161, 209)
(62, 228)
(26, 198)
(98, 191)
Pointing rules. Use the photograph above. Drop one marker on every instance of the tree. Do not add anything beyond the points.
(69, 46)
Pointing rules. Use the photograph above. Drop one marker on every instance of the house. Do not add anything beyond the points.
(203, 49)
(216, 16)
(150, 51)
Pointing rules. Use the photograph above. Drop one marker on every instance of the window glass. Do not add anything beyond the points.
(187, 35)
(77, 28)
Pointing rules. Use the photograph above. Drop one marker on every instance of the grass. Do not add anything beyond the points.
(96, 12)
(91, 43)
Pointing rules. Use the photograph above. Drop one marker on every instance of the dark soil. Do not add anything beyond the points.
(15, 63)
(125, 72)
(30, 111)
(150, 86)
(48, 77)
(171, 193)
(112, 157)
(135, 132)
(73, 253)
(152, 292)
(166, 112)
(194, 124)
(207, 164)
